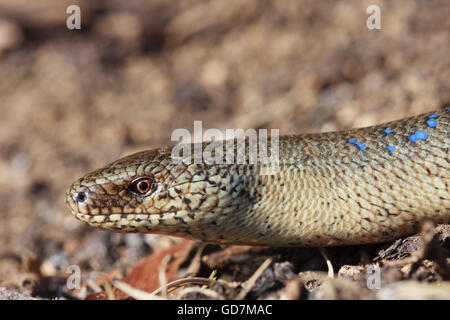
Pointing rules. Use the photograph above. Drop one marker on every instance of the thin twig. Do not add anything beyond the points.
(135, 293)
(251, 281)
(329, 264)
(206, 292)
(162, 274)
(183, 282)
(194, 266)
(108, 289)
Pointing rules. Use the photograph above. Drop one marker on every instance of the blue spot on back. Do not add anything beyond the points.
(432, 116)
(431, 123)
(413, 138)
(418, 135)
(390, 148)
(361, 145)
(388, 131)
(421, 134)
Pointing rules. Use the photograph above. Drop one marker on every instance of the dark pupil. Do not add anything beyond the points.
(142, 186)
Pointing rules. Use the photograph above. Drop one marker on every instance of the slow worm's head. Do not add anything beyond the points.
(150, 192)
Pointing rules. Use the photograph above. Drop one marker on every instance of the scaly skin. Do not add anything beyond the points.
(335, 188)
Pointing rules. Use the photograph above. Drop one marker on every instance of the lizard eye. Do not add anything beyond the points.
(142, 186)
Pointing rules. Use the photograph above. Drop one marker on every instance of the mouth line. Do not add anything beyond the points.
(121, 222)
(120, 216)
(98, 220)
(123, 214)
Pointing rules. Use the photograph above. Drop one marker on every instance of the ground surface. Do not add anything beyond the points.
(72, 101)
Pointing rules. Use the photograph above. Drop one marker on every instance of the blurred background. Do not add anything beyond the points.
(74, 100)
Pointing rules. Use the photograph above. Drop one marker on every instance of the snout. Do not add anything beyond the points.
(78, 199)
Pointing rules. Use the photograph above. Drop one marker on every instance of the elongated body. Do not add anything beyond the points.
(359, 186)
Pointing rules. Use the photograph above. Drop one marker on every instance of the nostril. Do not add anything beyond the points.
(80, 197)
